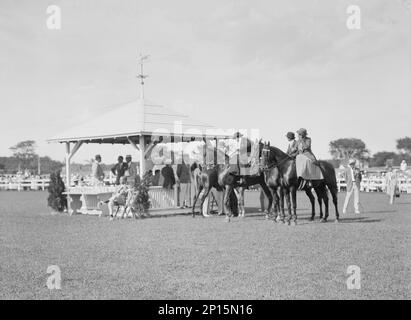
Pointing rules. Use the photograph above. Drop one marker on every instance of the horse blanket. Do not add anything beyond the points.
(307, 169)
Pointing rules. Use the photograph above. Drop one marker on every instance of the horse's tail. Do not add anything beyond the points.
(328, 172)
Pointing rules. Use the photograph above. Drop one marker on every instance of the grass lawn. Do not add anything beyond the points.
(181, 257)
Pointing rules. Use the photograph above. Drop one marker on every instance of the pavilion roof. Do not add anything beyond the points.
(134, 119)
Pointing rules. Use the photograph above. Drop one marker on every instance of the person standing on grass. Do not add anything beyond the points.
(183, 178)
(168, 173)
(391, 180)
(131, 171)
(119, 169)
(353, 179)
(96, 171)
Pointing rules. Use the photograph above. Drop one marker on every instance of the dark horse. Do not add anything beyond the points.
(281, 170)
(222, 178)
(208, 179)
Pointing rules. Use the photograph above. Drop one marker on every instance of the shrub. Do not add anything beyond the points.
(56, 199)
(141, 203)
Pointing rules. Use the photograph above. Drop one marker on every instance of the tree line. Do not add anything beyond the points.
(345, 148)
(25, 156)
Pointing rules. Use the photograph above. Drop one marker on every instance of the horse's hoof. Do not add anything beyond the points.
(336, 221)
(323, 220)
(293, 223)
(311, 219)
(227, 219)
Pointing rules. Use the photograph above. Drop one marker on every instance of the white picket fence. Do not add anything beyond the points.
(377, 185)
(23, 185)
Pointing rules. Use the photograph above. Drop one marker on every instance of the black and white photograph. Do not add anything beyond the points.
(207, 155)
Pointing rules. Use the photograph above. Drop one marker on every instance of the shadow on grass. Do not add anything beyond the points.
(379, 211)
(359, 220)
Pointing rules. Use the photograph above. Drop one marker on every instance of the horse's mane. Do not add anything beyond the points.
(278, 152)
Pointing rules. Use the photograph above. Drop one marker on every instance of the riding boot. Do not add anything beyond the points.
(301, 183)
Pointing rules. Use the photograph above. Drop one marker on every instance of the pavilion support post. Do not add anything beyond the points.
(172, 149)
(142, 148)
(68, 176)
(68, 164)
(69, 155)
(205, 152)
(215, 151)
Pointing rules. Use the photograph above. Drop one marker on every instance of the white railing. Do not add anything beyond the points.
(162, 198)
(376, 185)
(21, 185)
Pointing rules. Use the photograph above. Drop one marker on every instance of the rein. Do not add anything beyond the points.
(275, 165)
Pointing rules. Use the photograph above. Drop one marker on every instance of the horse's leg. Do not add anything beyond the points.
(282, 215)
(312, 201)
(239, 192)
(325, 192)
(200, 188)
(318, 191)
(221, 202)
(268, 195)
(335, 201)
(288, 199)
(242, 190)
(205, 195)
(226, 203)
(276, 201)
(293, 191)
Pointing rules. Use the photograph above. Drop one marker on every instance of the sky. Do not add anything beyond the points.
(270, 65)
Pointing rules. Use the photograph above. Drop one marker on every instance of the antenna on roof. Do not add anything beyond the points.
(141, 75)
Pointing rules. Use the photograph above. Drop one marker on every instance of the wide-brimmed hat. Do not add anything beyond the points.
(128, 156)
(302, 131)
(351, 161)
(290, 135)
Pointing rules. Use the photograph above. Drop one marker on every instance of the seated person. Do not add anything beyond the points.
(119, 198)
(305, 159)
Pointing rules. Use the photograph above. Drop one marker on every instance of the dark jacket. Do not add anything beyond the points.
(118, 170)
(169, 179)
(183, 173)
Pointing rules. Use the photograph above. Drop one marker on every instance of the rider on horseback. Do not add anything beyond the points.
(306, 163)
(292, 149)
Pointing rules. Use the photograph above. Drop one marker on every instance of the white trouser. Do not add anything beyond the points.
(356, 192)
